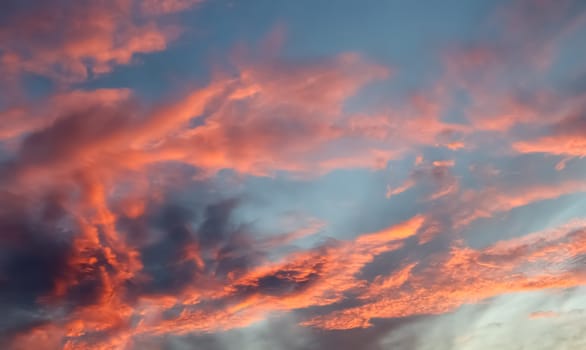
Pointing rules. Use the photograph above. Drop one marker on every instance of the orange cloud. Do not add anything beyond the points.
(45, 336)
(22, 119)
(84, 169)
(464, 206)
(272, 128)
(274, 117)
(157, 7)
(530, 37)
(543, 314)
(443, 163)
(41, 40)
(556, 145)
(304, 279)
(565, 138)
(466, 276)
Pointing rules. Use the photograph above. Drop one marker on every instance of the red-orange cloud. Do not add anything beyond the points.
(77, 40)
(466, 275)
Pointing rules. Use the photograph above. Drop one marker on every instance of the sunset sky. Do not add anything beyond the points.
(292, 174)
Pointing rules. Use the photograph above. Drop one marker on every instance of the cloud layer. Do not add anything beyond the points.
(289, 200)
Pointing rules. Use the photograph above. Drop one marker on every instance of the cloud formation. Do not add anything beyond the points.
(73, 41)
(325, 198)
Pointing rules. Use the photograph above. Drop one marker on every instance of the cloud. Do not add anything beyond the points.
(467, 276)
(125, 223)
(543, 314)
(501, 322)
(280, 111)
(154, 7)
(258, 133)
(74, 41)
(564, 138)
(24, 118)
(300, 280)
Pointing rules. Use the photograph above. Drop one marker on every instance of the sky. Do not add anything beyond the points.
(292, 174)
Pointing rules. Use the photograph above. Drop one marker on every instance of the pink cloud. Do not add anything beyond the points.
(465, 276)
(83, 38)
